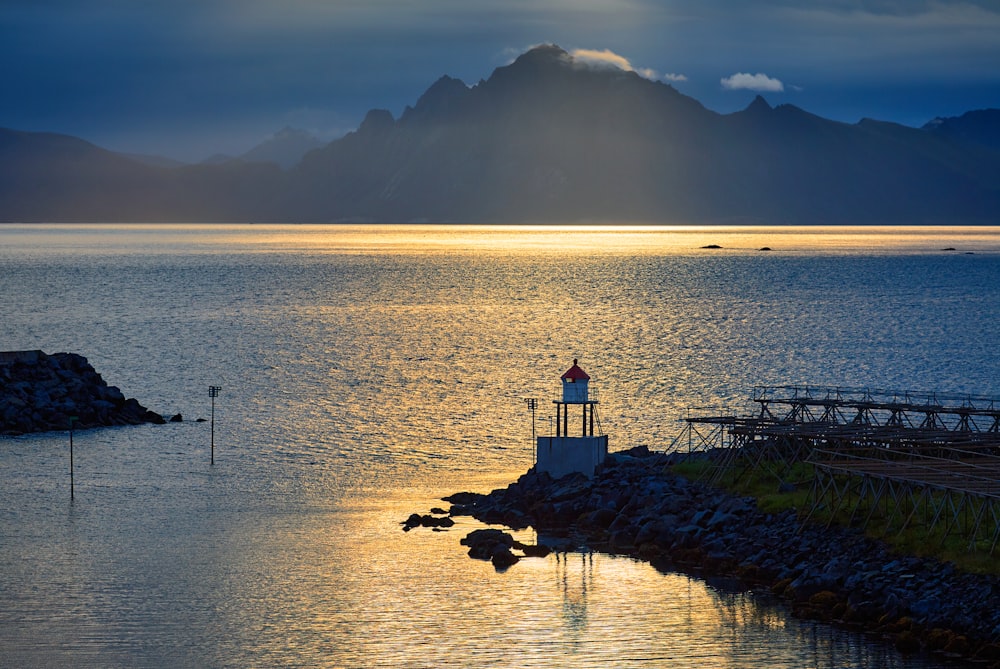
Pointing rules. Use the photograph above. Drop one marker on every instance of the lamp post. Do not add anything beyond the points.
(533, 404)
(213, 392)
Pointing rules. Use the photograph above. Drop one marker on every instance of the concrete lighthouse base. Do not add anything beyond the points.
(559, 456)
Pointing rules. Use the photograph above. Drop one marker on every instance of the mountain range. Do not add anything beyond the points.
(543, 140)
(285, 149)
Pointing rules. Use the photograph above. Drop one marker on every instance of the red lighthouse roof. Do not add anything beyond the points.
(575, 373)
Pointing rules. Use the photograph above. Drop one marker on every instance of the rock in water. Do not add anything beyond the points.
(502, 557)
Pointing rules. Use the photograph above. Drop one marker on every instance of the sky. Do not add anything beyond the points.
(188, 79)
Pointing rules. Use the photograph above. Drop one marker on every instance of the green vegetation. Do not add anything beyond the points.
(906, 525)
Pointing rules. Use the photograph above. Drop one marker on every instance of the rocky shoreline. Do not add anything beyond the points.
(41, 392)
(635, 506)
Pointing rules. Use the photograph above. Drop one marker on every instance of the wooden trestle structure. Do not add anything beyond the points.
(887, 460)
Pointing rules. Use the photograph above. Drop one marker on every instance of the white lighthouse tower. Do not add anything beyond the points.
(561, 454)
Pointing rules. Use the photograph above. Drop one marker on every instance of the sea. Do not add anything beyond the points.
(366, 371)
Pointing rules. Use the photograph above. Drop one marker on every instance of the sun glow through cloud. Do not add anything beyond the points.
(605, 58)
(602, 58)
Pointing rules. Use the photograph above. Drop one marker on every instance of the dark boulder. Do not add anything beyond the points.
(418, 520)
(538, 550)
(482, 543)
(502, 557)
(464, 498)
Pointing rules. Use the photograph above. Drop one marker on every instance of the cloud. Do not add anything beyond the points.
(752, 82)
(605, 58)
(670, 76)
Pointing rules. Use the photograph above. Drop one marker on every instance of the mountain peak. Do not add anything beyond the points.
(288, 132)
(285, 148)
(376, 120)
(553, 70)
(544, 54)
(440, 100)
(758, 106)
(537, 62)
(979, 126)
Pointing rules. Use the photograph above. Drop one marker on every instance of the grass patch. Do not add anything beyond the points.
(778, 486)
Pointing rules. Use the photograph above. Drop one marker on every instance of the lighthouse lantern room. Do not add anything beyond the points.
(561, 454)
(575, 385)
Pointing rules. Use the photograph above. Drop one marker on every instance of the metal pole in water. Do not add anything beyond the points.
(213, 392)
(72, 419)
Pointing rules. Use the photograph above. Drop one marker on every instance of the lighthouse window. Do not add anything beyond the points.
(570, 380)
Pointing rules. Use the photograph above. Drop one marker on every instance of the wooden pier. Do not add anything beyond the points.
(886, 460)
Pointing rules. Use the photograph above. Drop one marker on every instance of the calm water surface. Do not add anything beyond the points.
(367, 371)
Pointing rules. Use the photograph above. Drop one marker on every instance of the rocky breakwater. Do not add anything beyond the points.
(636, 506)
(41, 392)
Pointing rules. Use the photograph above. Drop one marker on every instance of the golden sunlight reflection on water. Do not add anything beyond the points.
(414, 238)
(368, 370)
(351, 588)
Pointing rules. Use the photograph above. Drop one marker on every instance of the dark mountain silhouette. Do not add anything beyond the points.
(47, 177)
(285, 148)
(153, 160)
(218, 159)
(52, 177)
(545, 139)
(981, 126)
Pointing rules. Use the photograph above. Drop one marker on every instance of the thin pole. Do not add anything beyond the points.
(213, 392)
(532, 403)
(71, 482)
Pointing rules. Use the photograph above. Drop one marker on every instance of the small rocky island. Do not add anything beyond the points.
(41, 392)
(636, 506)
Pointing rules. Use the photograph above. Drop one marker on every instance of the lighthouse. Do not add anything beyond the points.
(561, 453)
